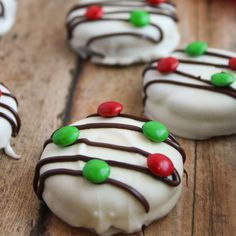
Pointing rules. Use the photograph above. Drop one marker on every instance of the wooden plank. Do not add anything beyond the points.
(214, 209)
(35, 63)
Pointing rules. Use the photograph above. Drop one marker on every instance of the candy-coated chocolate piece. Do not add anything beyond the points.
(110, 109)
(223, 79)
(96, 171)
(196, 49)
(140, 18)
(167, 65)
(155, 131)
(160, 164)
(156, 1)
(65, 136)
(94, 12)
(232, 63)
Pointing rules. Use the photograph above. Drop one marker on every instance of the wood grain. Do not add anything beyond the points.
(37, 65)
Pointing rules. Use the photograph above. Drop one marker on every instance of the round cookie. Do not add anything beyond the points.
(7, 15)
(9, 120)
(193, 91)
(110, 172)
(124, 32)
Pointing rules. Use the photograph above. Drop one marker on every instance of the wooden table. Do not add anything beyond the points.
(53, 88)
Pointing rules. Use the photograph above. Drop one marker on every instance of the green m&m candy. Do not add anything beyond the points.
(140, 18)
(96, 171)
(196, 49)
(155, 131)
(223, 79)
(65, 136)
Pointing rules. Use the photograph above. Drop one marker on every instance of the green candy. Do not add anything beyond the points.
(196, 49)
(155, 131)
(140, 18)
(65, 136)
(96, 171)
(223, 79)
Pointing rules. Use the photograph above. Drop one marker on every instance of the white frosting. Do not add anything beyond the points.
(8, 19)
(190, 112)
(104, 208)
(124, 50)
(5, 126)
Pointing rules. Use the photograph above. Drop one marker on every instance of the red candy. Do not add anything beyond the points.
(167, 65)
(110, 109)
(94, 12)
(160, 164)
(156, 1)
(232, 63)
(0, 93)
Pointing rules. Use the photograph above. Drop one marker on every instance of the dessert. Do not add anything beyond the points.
(9, 120)
(7, 15)
(110, 172)
(124, 32)
(193, 91)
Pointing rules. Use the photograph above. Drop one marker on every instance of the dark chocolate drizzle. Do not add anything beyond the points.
(173, 180)
(2, 9)
(16, 116)
(213, 54)
(78, 20)
(170, 141)
(229, 91)
(15, 125)
(113, 182)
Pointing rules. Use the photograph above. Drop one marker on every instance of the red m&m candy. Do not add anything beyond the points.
(167, 65)
(232, 63)
(94, 12)
(156, 1)
(160, 164)
(110, 109)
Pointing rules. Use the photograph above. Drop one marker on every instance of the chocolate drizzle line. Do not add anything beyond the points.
(113, 182)
(71, 27)
(2, 8)
(14, 113)
(15, 125)
(170, 141)
(229, 91)
(175, 181)
(12, 123)
(213, 54)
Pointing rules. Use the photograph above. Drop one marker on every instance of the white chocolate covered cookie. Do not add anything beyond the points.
(123, 32)
(110, 172)
(7, 15)
(9, 120)
(193, 91)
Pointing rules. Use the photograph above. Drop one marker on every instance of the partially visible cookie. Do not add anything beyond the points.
(110, 172)
(7, 15)
(193, 91)
(9, 120)
(123, 32)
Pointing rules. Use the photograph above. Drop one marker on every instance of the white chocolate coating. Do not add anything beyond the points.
(125, 50)
(104, 208)
(5, 126)
(189, 112)
(7, 15)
